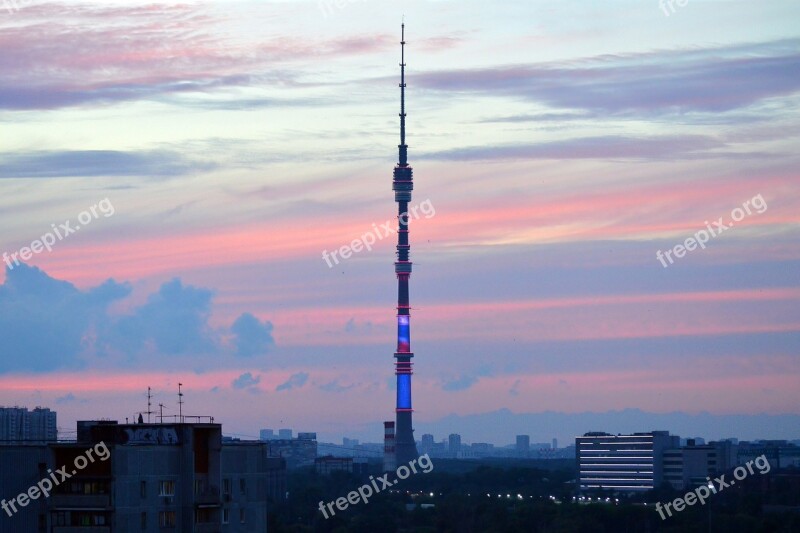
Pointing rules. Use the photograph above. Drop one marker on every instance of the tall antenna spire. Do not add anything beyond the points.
(403, 148)
(405, 448)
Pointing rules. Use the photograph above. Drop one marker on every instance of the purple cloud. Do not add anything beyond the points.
(705, 80)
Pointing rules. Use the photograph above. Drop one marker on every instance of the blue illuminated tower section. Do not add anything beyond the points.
(405, 447)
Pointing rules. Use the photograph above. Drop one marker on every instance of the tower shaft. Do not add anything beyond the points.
(402, 184)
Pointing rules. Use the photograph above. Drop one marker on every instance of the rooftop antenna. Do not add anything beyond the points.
(149, 404)
(180, 403)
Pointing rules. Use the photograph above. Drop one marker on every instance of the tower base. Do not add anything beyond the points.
(404, 445)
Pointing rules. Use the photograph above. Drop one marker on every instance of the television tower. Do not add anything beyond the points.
(403, 184)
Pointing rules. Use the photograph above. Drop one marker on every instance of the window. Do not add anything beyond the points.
(202, 516)
(166, 518)
(144, 521)
(143, 489)
(166, 488)
(242, 515)
(226, 516)
(61, 518)
(226, 487)
(243, 485)
(84, 487)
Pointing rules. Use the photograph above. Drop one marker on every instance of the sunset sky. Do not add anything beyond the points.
(557, 147)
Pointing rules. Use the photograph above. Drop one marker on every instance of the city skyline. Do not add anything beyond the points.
(211, 153)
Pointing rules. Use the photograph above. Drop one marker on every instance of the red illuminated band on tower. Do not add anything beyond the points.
(403, 184)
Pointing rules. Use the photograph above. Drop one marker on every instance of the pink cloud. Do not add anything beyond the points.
(57, 55)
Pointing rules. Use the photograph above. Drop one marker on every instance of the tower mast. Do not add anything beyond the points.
(403, 184)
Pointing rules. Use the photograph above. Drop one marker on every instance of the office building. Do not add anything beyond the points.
(523, 445)
(426, 444)
(327, 464)
(622, 463)
(690, 466)
(389, 451)
(349, 443)
(779, 453)
(481, 449)
(454, 444)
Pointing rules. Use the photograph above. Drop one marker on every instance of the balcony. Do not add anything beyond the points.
(81, 529)
(89, 501)
(208, 496)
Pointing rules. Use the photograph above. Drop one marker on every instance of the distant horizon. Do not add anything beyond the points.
(782, 427)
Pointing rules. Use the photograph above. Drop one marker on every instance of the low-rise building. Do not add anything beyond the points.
(144, 477)
(691, 465)
(298, 452)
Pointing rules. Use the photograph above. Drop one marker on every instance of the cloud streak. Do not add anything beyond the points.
(99, 163)
(605, 147)
(710, 80)
(58, 55)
